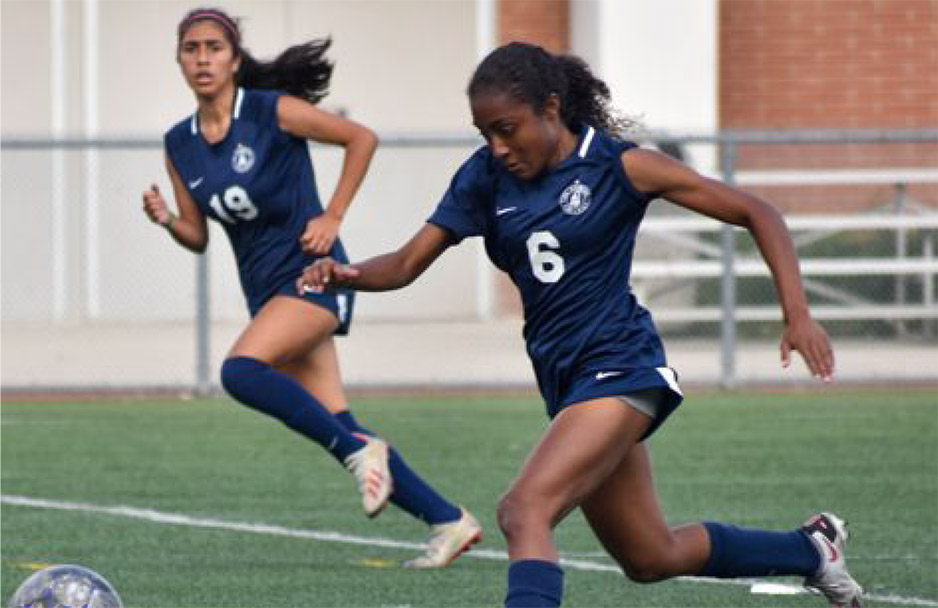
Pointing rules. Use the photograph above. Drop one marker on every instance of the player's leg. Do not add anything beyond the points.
(453, 530)
(625, 514)
(318, 371)
(583, 445)
(284, 329)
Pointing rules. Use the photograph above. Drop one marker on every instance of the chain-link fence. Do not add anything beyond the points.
(94, 296)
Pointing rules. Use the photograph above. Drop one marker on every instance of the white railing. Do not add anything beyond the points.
(715, 256)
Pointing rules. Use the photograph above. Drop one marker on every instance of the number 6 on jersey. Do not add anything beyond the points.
(546, 264)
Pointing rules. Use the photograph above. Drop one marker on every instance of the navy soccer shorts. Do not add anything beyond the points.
(341, 303)
(654, 391)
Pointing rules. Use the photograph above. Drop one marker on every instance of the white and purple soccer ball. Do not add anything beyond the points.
(66, 586)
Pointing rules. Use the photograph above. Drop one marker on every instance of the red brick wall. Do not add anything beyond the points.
(542, 22)
(831, 64)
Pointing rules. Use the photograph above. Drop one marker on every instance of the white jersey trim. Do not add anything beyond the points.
(238, 99)
(587, 140)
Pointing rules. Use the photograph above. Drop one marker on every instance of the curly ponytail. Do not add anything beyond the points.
(301, 70)
(530, 74)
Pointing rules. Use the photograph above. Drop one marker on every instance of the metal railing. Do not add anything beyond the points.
(725, 263)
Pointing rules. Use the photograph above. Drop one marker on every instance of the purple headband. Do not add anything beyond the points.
(227, 23)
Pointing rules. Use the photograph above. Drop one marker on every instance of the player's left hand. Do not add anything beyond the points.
(320, 234)
(806, 336)
(323, 274)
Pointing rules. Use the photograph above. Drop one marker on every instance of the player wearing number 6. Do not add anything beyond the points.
(558, 199)
(242, 160)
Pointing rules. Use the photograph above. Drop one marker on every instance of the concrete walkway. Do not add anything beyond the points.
(458, 354)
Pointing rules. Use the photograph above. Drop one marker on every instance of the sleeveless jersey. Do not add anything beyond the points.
(566, 240)
(258, 183)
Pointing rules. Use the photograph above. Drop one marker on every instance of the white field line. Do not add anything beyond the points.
(161, 517)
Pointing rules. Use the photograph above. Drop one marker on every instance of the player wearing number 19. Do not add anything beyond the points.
(558, 197)
(242, 159)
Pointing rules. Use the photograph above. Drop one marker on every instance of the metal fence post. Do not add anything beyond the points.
(901, 248)
(930, 327)
(203, 374)
(728, 343)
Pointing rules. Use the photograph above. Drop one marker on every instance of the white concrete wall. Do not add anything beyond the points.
(660, 60)
(401, 66)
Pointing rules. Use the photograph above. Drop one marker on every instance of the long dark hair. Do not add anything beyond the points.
(530, 74)
(300, 70)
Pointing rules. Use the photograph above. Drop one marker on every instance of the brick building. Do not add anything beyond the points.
(805, 64)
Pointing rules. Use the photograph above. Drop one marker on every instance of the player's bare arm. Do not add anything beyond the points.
(303, 119)
(380, 273)
(188, 228)
(655, 172)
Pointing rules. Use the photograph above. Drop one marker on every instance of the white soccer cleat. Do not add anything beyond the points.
(369, 465)
(829, 534)
(448, 541)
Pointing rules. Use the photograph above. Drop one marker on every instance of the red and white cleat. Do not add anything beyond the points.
(829, 534)
(369, 465)
(448, 541)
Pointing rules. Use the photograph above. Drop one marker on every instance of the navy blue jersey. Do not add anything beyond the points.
(566, 240)
(258, 183)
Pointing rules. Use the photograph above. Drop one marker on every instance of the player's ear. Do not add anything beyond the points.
(552, 106)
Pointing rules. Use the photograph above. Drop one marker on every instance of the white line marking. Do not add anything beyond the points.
(176, 519)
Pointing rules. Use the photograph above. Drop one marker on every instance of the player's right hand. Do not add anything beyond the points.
(154, 205)
(323, 274)
(806, 336)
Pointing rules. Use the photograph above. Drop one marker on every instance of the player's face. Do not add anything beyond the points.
(525, 141)
(207, 59)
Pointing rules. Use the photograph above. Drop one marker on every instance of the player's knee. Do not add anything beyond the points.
(236, 372)
(637, 575)
(505, 513)
(648, 568)
(517, 512)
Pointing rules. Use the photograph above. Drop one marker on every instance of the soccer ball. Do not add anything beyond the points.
(66, 586)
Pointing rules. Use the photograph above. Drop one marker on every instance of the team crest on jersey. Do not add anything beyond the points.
(575, 198)
(243, 159)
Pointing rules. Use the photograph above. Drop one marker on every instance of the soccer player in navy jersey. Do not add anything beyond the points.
(242, 160)
(558, 197)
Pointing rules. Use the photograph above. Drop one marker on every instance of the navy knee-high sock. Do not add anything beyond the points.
(411, 493)
(260, 386)
(534, 583)
(745, 552)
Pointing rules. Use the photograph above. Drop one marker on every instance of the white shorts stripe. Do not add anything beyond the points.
(669, 376)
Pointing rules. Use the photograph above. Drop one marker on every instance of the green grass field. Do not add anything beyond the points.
(255, 504)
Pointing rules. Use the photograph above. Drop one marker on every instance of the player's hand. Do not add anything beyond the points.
(807, 337)
(320, 234)
(323, 274)
(154, 205)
